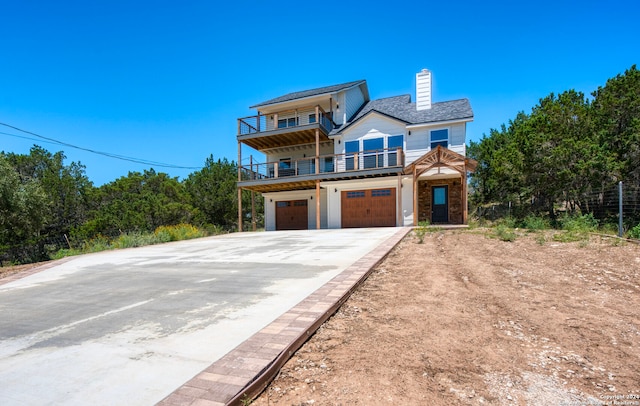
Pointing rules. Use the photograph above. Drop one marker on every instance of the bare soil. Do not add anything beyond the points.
(11, 270)
(464, 319)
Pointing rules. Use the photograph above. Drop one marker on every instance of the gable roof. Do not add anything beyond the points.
(309, 93)
(401, 108)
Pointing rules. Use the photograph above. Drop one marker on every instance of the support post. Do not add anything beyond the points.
(239, 188)
(317, 147)
(317, 204)
(239, 161)
(620, 209)
(415, 197)
(239, 210)
(465, 202)
(254, 226)
(400, 216)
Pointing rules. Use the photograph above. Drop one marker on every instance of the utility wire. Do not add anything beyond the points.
(107, 154)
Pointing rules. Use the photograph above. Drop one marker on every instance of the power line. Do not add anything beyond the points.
(106, 154)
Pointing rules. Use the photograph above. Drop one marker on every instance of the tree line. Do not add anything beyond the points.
(565, 154)
(46, 204)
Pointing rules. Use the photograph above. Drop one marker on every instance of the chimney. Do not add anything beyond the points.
(423, 90)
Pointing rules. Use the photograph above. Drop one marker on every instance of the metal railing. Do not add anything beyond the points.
(285, 119)
(336, 163)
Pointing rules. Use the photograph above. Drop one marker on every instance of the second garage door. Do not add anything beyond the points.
(369, 208)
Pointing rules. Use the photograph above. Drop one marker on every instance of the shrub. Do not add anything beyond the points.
(635, 232)
(507, 222)
(421, 231)
(532, 222)
(505, 233)
(131, 240)
(178, 232)
(584, 223)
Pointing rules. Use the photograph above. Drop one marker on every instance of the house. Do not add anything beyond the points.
(335, 159)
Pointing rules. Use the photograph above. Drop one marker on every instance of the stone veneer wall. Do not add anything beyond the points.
(455, 199)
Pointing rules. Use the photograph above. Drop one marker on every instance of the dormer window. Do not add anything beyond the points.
(440, 137)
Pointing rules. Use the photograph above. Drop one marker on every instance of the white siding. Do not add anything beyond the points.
(354, 100)
(423, 90)
(304, 152)
(419, 142)
(372, 126)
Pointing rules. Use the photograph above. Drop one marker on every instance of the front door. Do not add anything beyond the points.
(440, 204)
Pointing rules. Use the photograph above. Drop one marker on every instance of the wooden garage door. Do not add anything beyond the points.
(292, 215)
(369, 208)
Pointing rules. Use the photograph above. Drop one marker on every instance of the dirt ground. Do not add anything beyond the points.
(470, 320)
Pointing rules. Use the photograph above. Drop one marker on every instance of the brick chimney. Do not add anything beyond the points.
(423, 90)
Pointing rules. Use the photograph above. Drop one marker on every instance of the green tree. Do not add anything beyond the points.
(565, 153)
(66, 187)
(24, 211)
(213, 192)
(617, 119)
(136, 202)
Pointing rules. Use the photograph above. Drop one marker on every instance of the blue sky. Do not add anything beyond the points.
(165, 81)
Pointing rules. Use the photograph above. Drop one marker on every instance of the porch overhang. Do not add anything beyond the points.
(309, 181)
(299, 135)
(440, 157)
(437, 158)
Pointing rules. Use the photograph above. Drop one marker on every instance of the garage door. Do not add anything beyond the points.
(292, 215)
(369, 208)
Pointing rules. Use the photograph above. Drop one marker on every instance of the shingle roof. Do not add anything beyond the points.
(401, 108)
(309, 93)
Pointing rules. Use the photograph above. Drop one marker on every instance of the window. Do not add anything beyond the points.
(440, 137)
(394, 142)
(350, 148)
(380, 192)
(283, 204)
(285, 163)
(284, 167)
(356, 194)
(287, 122)
(373, 153)
(312, 118)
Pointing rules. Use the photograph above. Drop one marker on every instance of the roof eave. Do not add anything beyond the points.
(358, 83)
(430, 123)
(365, 115)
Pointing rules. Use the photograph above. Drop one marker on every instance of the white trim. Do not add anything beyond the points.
(435, 123)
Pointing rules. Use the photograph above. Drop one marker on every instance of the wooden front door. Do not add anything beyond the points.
(369, 208)
(292, 215)
(440, 204)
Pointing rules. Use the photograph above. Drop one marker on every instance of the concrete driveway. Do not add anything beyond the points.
(130, 326)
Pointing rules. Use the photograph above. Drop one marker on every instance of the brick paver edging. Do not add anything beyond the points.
(246, 371)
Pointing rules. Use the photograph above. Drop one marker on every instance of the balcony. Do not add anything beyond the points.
(342, 165)
(285, 128)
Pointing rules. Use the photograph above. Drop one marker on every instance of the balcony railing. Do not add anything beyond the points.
(285, 119)
(357, 161)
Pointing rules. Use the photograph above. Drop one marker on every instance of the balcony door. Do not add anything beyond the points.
(350, 149)
(373, 152)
